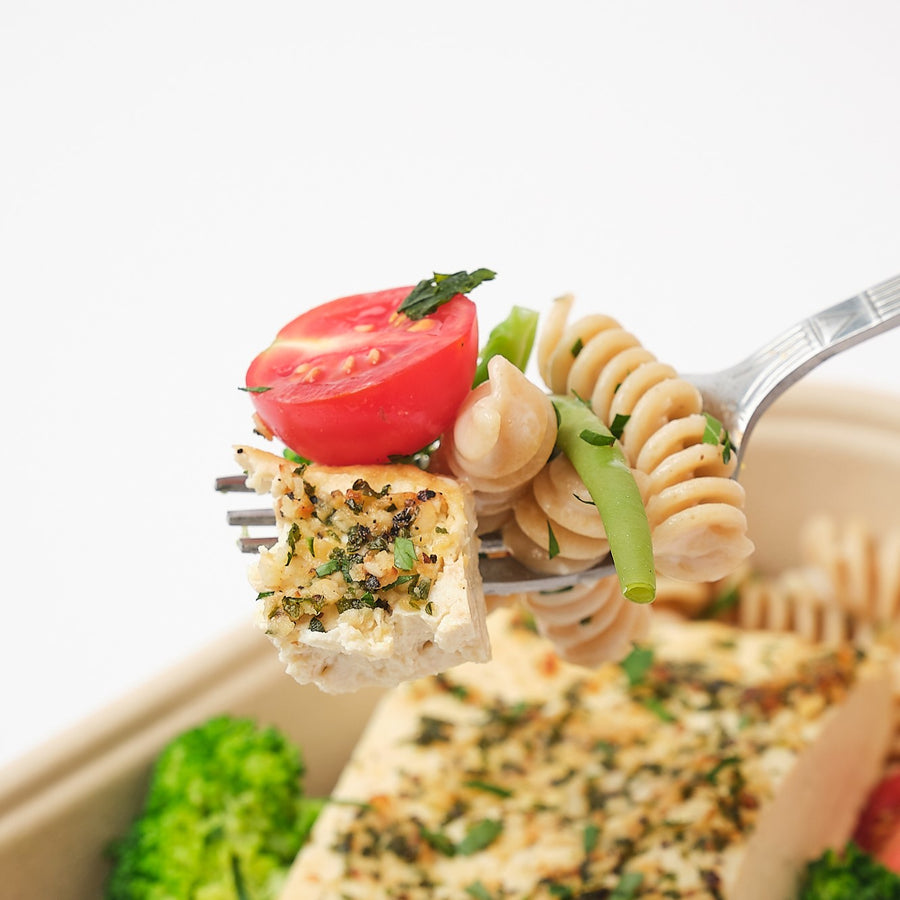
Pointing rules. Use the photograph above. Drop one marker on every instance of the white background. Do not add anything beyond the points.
(177, 180)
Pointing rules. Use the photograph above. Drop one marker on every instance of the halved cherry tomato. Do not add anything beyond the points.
(352, 381)
(878, 827)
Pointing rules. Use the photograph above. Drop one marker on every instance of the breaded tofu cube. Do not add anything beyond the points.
(374, 577)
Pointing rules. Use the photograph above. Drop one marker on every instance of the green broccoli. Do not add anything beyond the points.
(851, 875)
(223, 818)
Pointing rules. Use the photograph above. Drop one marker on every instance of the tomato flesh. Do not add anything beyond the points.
(353, 382)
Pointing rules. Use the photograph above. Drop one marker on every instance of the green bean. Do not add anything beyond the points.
(599, 461)
(512, 338)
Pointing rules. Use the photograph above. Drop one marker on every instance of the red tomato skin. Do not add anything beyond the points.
(394, 406)
(879, 821)
(889, 852)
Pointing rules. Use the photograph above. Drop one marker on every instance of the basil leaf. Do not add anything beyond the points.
(430, 293)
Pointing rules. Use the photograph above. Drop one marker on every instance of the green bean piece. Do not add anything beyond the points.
(513, 338)
(599, 461)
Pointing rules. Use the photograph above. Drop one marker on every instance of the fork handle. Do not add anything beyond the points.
(744, 391)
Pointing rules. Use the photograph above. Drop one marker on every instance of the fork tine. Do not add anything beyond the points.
(250, 517)
(254, 544)
(228, 484)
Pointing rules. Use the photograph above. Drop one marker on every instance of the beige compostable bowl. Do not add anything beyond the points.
(820, 449)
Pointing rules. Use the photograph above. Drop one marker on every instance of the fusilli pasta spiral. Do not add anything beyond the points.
(590, 623)
(845, 586)
(695, 508)
(503, 435)
(801, 600)
(556, 503)
(864, 569)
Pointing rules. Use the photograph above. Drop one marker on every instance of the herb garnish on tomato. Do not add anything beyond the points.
(358, 381)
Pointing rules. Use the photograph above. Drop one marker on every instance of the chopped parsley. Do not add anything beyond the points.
(430, 293)
(596, 438)
(715, 433)
(488, 787)
(479, 836)
(618, 424)
(637, 664)
(628, 886)
(404, 553)
(552, 543)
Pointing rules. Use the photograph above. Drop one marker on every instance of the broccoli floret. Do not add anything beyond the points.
(223, 818)
(851, 875)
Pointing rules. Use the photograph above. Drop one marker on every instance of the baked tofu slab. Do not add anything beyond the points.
(712, 763)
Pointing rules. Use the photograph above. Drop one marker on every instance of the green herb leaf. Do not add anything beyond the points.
(315, 624)
(725, 601)
(404, 553)
(477, 890)
(430, 293)
(596, 438)
(420, 458)
(327, 568)
(512, 339)
(437, 840)
(713, 774)
(293, 457)
(552, 543)
(637, 664)
(489, 788)
(656, 707)
(618, 425)
(255, 390)
(292, 535)
(481, 835)
(628, 886)
(590, 837)
(715, 433)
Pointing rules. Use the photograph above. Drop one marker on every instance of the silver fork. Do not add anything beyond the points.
(736, 396)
